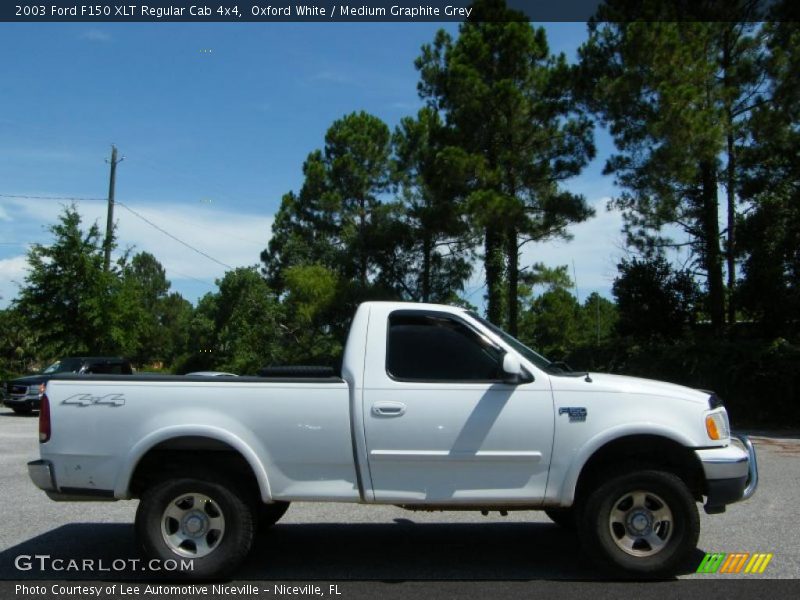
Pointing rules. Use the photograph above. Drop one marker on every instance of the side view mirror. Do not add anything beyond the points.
(512, 370)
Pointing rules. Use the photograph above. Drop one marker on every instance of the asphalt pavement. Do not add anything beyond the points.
(357, 543)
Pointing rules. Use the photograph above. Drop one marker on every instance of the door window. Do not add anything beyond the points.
(438, 347)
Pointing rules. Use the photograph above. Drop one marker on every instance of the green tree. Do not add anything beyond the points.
(175, 315)
(599, 319)
(17, 343)
(508, 105)
(341, 219)
(434, 247)
(312, 291)
(335, 218)
(553, 324)
(654, 300)
(236, 328)
(142, 290)
(246, 322)
(201, 352)
(67, 296)
(769, 238)
(675, 95)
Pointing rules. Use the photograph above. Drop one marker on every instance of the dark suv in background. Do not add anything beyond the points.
(24, 394)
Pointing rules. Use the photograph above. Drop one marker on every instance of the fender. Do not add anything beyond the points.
(566, 494)
(121, 489)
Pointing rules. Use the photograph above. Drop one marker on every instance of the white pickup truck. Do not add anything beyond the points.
(435, 409)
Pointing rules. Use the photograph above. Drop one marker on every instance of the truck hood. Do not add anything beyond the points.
(29, 380)
(602, 382)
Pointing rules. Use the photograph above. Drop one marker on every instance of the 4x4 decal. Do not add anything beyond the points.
(90, 400)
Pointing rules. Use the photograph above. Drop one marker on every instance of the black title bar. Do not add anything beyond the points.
(159, 11)
(280, 10)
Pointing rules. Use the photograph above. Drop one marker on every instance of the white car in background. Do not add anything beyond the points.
(212, 374)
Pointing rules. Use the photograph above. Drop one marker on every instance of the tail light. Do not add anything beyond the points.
(44, 420)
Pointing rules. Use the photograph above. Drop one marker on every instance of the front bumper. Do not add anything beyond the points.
(28, 401)
(731, 473)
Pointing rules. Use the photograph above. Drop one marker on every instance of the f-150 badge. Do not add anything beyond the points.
(576, 413)
(89, 400)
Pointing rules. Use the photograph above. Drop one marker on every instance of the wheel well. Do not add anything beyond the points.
(192, 456)
(642, 451)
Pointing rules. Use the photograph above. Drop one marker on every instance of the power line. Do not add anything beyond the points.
(168, 234)
(185, 276)
(129, 209)
(74, 199)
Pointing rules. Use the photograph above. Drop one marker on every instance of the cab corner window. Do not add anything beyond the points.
(432, 347)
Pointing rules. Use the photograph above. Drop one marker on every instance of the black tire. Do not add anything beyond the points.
(677, 528)
(228, 546)
(269, 514)
(22, 410)
(563, 517)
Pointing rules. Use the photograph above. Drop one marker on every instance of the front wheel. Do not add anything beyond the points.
(644, 523)
(208, 525)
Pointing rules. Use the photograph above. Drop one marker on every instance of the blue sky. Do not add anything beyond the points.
(214, 121)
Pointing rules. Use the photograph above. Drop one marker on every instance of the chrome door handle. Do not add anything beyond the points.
(388, 409)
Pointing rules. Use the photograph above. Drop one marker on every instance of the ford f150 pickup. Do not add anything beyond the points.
(435, 409)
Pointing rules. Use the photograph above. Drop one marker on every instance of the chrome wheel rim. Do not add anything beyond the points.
(641, 523)
(192, 525)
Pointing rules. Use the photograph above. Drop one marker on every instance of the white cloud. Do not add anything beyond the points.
(232, 238)
(96, 35)
(4, 216)
(596, 248)
(237, 239)
(331, 76)
(12, 272)
(406, 106)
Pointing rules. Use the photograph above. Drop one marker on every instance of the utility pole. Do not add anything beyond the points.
(110, 221)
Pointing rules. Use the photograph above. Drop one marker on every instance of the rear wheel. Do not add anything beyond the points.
(643, 523)
(209, 523)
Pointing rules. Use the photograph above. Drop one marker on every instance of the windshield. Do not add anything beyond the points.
(534, 357)
(68, 365)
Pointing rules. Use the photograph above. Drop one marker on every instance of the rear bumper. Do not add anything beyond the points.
(42, 475)
(731, 473)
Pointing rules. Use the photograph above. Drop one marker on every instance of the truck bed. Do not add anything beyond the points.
(295, 432)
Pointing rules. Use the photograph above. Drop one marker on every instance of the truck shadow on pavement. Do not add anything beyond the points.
(399, 551)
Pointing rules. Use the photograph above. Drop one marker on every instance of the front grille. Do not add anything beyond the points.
(18, 390)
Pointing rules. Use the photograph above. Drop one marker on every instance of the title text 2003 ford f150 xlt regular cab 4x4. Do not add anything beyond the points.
(435, 408)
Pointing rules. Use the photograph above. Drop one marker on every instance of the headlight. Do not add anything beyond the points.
(717, 425)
